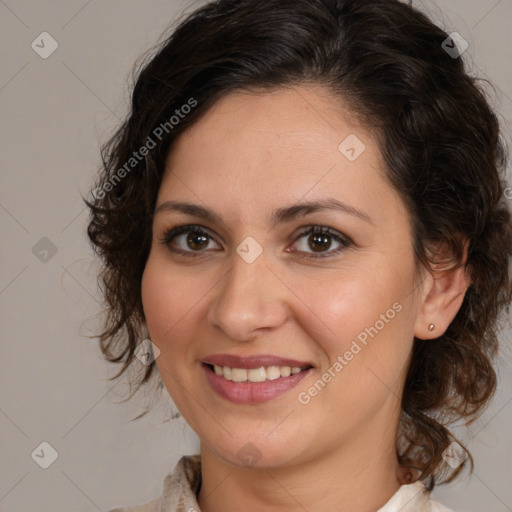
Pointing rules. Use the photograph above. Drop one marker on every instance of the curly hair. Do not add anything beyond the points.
(439, 137)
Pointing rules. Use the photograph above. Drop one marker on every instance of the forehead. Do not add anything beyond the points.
(267, 148)
(309, 117)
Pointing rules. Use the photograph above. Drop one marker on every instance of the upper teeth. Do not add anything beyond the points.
(255, 374)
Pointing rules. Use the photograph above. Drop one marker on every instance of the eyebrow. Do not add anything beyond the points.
(280, 215)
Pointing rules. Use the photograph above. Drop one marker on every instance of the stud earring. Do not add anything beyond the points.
(431, 327)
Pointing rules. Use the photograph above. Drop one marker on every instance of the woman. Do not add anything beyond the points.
(304, 212)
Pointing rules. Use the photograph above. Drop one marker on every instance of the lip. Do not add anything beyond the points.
(252, 392)
(249, 362)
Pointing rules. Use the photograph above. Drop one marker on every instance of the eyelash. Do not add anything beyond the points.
(172, 233)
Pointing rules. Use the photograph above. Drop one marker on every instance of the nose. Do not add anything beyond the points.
(250, 298)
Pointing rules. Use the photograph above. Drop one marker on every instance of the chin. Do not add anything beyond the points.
(257, 452)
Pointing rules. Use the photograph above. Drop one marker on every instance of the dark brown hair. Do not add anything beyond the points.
(438, 135)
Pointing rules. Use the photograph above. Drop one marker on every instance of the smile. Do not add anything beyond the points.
(253, 385)
(261, 374)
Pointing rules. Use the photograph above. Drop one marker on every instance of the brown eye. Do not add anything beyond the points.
(197, 241)
(187, 240)
(319, 239)
(319, 242)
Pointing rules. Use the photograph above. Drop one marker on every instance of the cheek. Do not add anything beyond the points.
(348, 303)
(366, 319)
(154, 299)
(166, 299)
(174, 301)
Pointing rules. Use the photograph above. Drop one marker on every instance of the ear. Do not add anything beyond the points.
(442, 297)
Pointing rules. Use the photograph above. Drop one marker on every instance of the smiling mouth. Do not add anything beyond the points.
(261, 374)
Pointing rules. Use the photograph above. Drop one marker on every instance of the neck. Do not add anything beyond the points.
(360, 476)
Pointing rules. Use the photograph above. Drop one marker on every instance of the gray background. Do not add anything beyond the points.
(53, 382)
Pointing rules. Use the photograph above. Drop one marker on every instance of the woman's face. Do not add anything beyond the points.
(258, 289)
